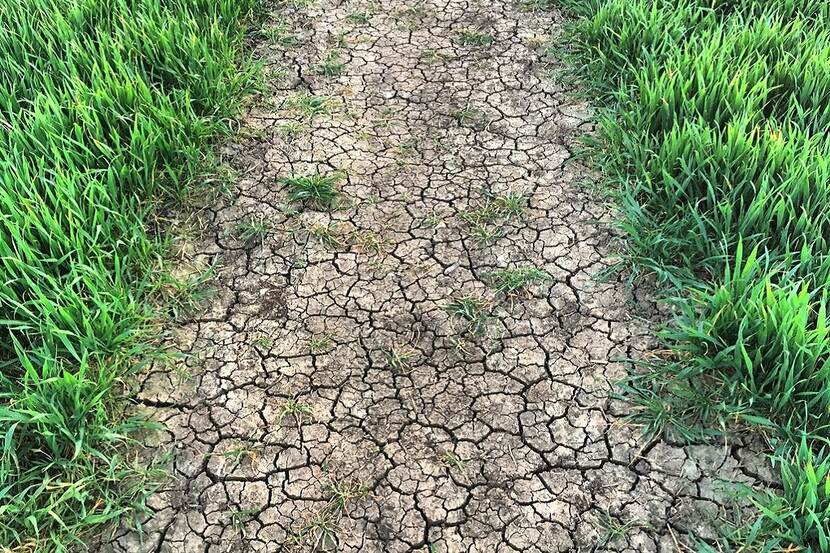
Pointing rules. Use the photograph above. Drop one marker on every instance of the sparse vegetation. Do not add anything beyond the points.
(714, 137)
(309, 105)
(106, 109)
(328, 235)
(400, 358)
(359, 17)
(296, 409)
(453, 462)
(318, 190)
(473, 310)
(280, 34)
(466, 114)
(511, 281)
(473, 37)
(252, 229)
(320, 529)
(485, 221)
(320, 343)
(331, 65)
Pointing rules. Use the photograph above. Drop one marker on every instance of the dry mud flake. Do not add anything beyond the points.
(362, 381)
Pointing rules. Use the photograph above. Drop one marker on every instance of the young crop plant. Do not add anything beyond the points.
(713, 139)
(317, 190)
(109, 108)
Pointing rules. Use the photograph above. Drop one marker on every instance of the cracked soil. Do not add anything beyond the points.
(360, 381)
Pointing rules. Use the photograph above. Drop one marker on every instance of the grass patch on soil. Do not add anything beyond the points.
(713, 118)
(107, 109)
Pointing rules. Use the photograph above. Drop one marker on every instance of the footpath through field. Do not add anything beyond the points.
(409, 350)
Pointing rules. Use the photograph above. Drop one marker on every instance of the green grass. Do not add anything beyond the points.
(319, 190)
(106, 108)
(472, 310)
(511, 281)
(713, 118)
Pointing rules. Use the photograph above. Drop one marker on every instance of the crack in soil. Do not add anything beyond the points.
(356, 385)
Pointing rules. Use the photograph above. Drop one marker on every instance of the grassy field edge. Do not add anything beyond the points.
(712, 118)
(109, 112)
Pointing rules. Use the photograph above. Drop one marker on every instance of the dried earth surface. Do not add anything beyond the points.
(425, 365)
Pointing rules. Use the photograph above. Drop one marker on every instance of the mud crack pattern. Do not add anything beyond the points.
(359, 383)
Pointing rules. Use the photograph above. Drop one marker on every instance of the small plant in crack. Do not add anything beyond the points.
(431, 55)
(319, 190)
(320, 343)
(466, 114)
(252, 230)
(536, 5)
(344, 492)
(474, 310)
(341, 40)
(293, 130)
(511, 281)
(309, 105)
(295, 409)
(330, 65)
(611, 528)
(432, 221)
(473, 37)
(243, 452)
(485, 221)
(399, 358)
(327, 235)
(359, 17)
(319, 531)
(368, 241)
(184, 295)
(405, 149)
(452, 461)
(510, 204)
(263, 342)
(280, 35)
(241, 517)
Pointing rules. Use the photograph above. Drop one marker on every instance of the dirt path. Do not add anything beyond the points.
(359, 384)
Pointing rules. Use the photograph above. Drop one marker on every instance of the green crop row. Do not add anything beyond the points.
(714, 118)
(106, 107)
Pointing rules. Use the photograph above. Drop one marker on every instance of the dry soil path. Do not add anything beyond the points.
(359, 383)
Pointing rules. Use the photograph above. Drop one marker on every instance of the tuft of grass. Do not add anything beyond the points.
(107, 110)
(320, 343)
(466, 114)
(331, 65)
(252, 229)
(453, 462)
(473, 310)
(319, 190)
(473, 37)
(309, 106)
(328, 235)
(612, 528)
(399, 358)
(280, 34)
(511, 281)
(713, 135)
(295, 409)
(486, 220)
(359, 17)
(319, 531)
